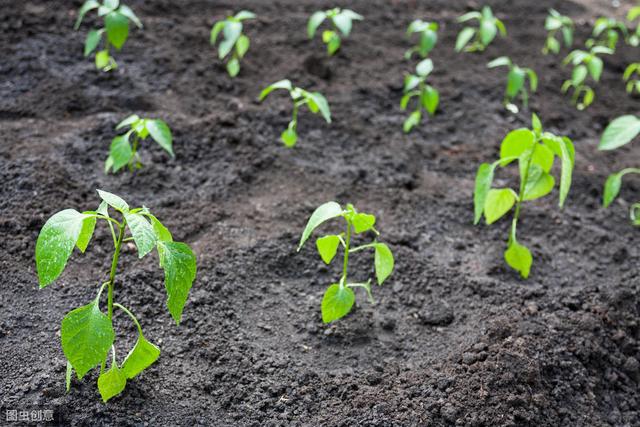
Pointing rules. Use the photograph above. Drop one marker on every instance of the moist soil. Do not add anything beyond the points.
(456, 337)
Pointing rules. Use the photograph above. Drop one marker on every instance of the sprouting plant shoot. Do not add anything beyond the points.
(234, 41)
(619, 132)
(585, 64)
(339, 297)
(428, 36)
(116, 26)
(428, 96)
(555, 23)
(87, 333)
(535, 152)
(316, 102)
(516, 79)
(341, 20)
(632, 77)
(122, 153)
(632, 15)
(488, 28)
(607, 32)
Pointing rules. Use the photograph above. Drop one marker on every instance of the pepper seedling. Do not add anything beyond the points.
(607, 32)
(555, 23)
(122, 154)
(234, 41)
(428, 96)
(535, 152)
(632, 77)
(316, 102)
(339, 298)
(341, 20)
(87, 333)
(516, 79)
(585, 64)
(632, 15)
(116, 26)
(428, 36)
(488, 28)
(621, 131)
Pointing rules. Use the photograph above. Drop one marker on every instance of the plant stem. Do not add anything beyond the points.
(523, 184)
(121, 307)
(114, 265)
(346, 255)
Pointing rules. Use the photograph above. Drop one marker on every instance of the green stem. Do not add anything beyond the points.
(359, 248)
(345, 264)
(121, 307)
(523, 184)
(114, 265)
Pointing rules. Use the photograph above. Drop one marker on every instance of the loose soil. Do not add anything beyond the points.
(456, 338)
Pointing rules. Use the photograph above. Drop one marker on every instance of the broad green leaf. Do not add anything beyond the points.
(428, 41)
(233, 67)
(282, 84)
(352, 15)
(619, 132)
(289, 137)
(161, 134)
(323, 213)
(88, 225)
(469, 16)
(383, 260)
(595, 68)
(411, 82)
(499, 62)
(539, 187)
(111, 383)
(552, 45)
(129, 121)
(321, 102)
(87, 335)
(498, 203)
(111, 4)
(411, 121)
(578, 75)
(487, 31)
(314, 22)
(533, 79)
(515, 143)
(568, 158)
(120, 152)
(55, 244)
(430, 99)
(92, 41)
(406, 98)
(519, 258)
(142, 231)
(231, 32)
(536, 124)
(363, 222)
(215, 31)
(126, 11)
(424, 67)
(343, 23)
(484, 179)
(333, 44)
(543, 157)
(327, 247)
(242, 45)
(102, 59)
(162, 232)
(179, 265)
(515, 81)
(114, 201)
(86, 7)
(117, 29)
(611, 189)
(244, 14)
(143, 354)
(336, 303)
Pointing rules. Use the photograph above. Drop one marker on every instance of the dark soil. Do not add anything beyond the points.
(456, 337)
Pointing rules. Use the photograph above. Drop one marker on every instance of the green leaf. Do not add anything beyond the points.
(411, 121)
(117, 29)
(484, 179)
(323, 213)
(611, 189)
(161, 134)
(102, 59)
(536, 124)
(519, 258)
(111, 383)
(129, 121)
(114, 201)
(179, 264)
(469, 16)
(336, 303)
(515, 143)
(430, 99)
(143, 233)
(595, 66)
(499, 62)
(111, 4)
(515, 81)
(619, 132)
(143, 354)
(487, 31)
(120, 152)
(363, 222)
(538, 187)
(87, 335)
(231, 32)
(92, 41)
(424, 67)
(244, 14)
(327, 247)
(162, 232)
(215, 31)
(314, 22)
(383, 260)
(411, 82)
(568, 160)
(578, 75)
(334, 44)
(321, 103)
(282, 84)
(289, 137)
(86, 7)
(55, 244)
(543, 157)
(126, 11)
(242, 46)
(343, 23)
(88, 225)
(498, 203)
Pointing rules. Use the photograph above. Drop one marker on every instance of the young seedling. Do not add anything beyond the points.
(516, 82)
(122, 154)
(234, 41)
(116, 26)
(341, 20)
(488, 28)
(620, 131)
(535, 152)
(632, 77)
(632, 15)
(428, 96)
(607, 32)
(428, 36)
(316, 102)
(87, 333)
(585, 64)
(339, 297)
(555, 23)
